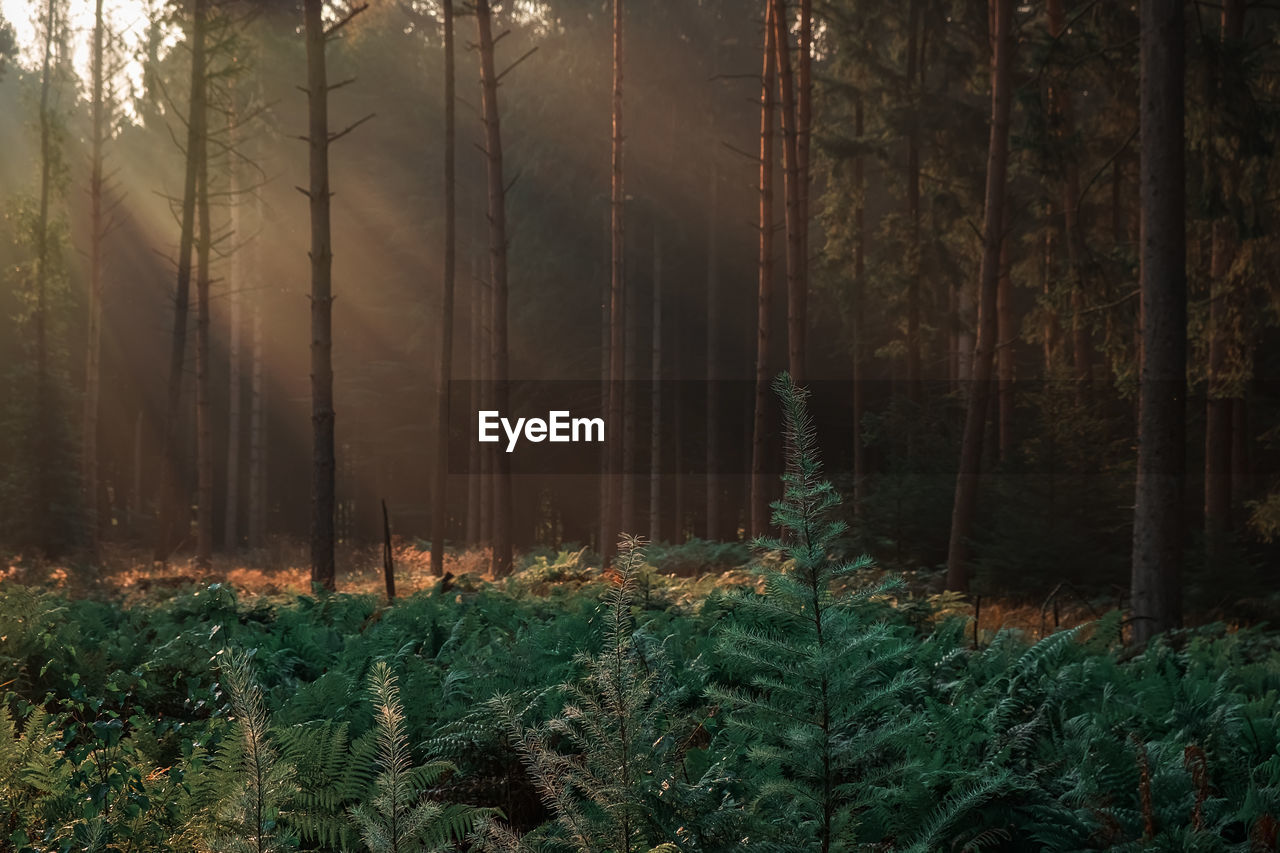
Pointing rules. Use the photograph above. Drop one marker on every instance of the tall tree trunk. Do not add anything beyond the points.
(791, 189)
(711, 404)
(323, 500)
(476, 361)
(655, 374)
(966, 322)
(257, 402)
(914, 357)
(963, 510)
(135, 494)
(1157, 517)
(231, 521)
(1051, 332)
(170, 495)
(204, 427)
(859, 301)
(487, 453)
(798, 299)
(678, 429)
(605, 450)
(42, 448)
(764, 287)
(1006, 335)
(440, 503)
(1217, 433)
(631, 402)
(617, 301)
(93, 357)
(501, 565)
(1069, 193)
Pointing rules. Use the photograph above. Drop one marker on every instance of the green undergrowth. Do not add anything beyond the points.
(813, 708)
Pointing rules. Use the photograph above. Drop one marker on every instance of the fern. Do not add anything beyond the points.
(248, 819)
(621, 789)
(824, 678)
(398, 819)
(31, 772)
(334, 773)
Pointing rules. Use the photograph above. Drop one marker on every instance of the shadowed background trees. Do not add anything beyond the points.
(812, 189)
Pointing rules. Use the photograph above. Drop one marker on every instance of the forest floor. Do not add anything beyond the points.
(128, 574)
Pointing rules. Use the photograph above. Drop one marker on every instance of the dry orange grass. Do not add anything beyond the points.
(282, 567)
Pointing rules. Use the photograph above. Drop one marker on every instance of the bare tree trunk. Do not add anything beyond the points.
(486, 394)
(681, 507)
(604, 410)
(135, 494)
(1051, 334)
(791, 189)
(798, 299)
(204, 430)
(655, 373)
(617, 301)
(1217, 433)
(93, 357)
(42, 434)
(477, 369)
(501, 565)
(975, 419)
(439, 507)
(257, 406)
(764, 287)
(914, 358)
(711, 407)
(1073, 229)
(630, 442)
(1006, 336)
(859, 301)
(1157, 517)
(323, 500)
(170, 500)
(966, 321)
(231, 522)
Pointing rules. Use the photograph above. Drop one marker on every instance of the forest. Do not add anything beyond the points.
(404, 447)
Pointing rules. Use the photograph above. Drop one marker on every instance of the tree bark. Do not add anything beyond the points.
(323, 499)
(631, 402)
(440, 503)
(170, 497)
(791, 189)
(914, 358)
(1069, 193)
(231, 521)
(965, 505)
(711, 530)
(487, 453)
(257, 403)
(617, 303)
(859, 300)
(41, 435)
(655, 373)
(477, 403)
(501, 564)
(204, 427)
(1157, 518)
(1006, 336)
(764, 287)
(93, 357)
(1217, 433)
(798, 299)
